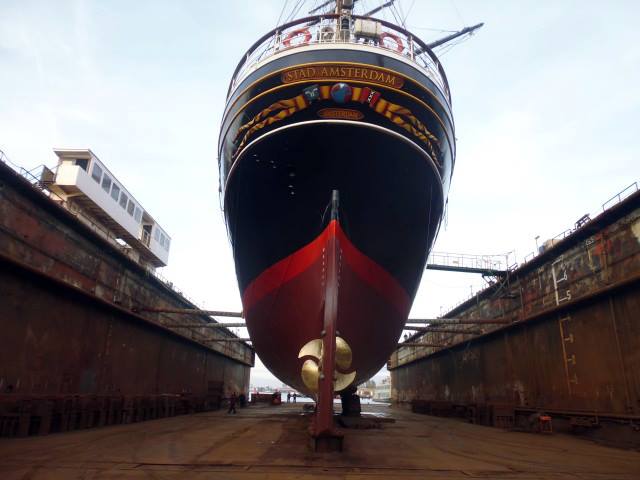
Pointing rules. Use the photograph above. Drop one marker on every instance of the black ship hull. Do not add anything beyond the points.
(372, 127)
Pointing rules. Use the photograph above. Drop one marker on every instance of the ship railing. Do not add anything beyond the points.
(319, 30)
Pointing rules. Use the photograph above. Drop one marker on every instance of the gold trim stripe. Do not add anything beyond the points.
(279, 87)
(310, 64)
(399, 115)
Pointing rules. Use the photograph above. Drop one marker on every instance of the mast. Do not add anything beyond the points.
(453, 36)
(328, 2)
(320, 7)
(377, 9)
(345, 7)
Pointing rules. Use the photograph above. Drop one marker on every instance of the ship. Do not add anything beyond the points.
(336, 152)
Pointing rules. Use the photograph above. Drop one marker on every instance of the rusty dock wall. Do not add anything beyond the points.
(75, 350)
(571, 347)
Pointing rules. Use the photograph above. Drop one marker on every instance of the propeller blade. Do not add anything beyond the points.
(343, 354)
(310, 375)
(312, 349)
(343, 380)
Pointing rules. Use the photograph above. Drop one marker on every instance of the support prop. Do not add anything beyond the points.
(350, 402)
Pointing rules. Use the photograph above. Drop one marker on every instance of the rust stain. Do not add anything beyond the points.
(575, 356)
(72, 357)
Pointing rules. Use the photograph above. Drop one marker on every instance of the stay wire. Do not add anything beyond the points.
(408, 12)
(284, 6)
(396, 14)
(294, 11)
(399, 9)
(439, 30)
(447, 48)
(300, 5)
(455, 7)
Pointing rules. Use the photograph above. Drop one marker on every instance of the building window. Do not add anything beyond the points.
(96, 173)
(123, 200)
(166, 243)
(106, 183)
(162, 239)
(115, 192)
(137, 214)
(130, 208)
(83, 163)
(156, 234)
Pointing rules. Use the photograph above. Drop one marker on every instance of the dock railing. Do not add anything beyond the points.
(326, 29)
(471, 263)
(584, 220)
(469, 260)
(618, 197)
(37, 177)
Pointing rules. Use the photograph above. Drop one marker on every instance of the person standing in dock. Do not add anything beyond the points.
(232, 403)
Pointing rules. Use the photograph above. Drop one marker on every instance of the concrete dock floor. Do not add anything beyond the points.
(271, 443)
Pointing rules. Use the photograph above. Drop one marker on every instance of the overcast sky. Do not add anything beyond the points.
(546, 99)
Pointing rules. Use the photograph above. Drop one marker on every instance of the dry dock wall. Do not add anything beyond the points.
(572, 348)
(75, 352)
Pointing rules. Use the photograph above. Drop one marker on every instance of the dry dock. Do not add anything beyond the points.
(271, 442)
(90, 340)
(78, 350)
(567, 345)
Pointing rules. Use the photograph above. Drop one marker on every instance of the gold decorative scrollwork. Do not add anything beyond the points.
(399, 115)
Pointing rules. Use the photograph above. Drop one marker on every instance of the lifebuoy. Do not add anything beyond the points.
(296, 33)
(398, 41)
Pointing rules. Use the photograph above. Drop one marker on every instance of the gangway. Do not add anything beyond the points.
(486, 265)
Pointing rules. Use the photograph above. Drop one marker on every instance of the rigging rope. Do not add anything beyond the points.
(449, 46)
(399, 9)
(408, 12)
(396, 14)
(284, 6)
(296, 10)
(458, 12)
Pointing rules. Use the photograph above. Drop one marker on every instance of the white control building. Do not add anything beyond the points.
(83, 180)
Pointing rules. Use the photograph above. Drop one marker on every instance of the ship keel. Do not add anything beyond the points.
(324, 436)
(286, 310)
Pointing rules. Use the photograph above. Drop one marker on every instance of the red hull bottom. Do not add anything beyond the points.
(284, 309)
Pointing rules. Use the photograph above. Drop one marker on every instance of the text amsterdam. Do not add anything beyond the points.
(342, 72)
